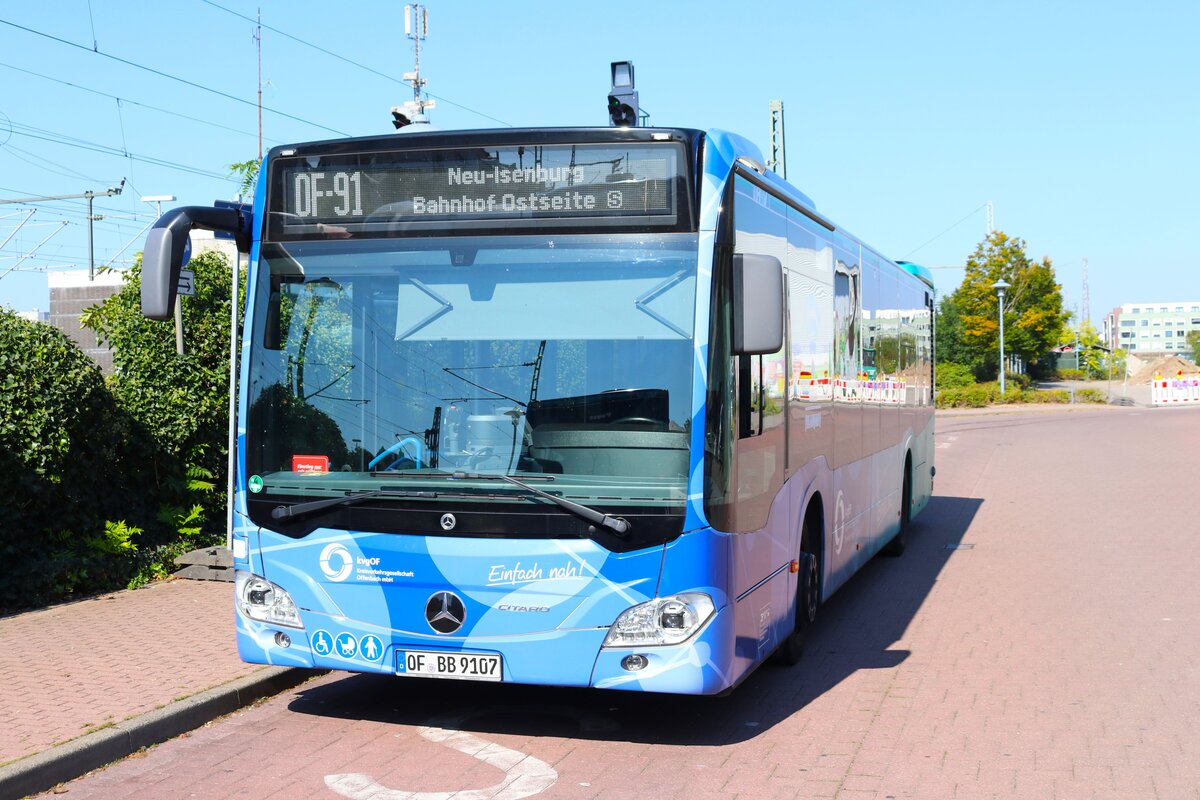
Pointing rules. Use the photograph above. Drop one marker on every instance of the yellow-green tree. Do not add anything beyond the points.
(1034, 318)
(1094, 358)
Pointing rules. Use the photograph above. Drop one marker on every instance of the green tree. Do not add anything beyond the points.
(948, 334)
(247, 174)
(1193, 340)
(181, 400)
(1034, 317)
(1094, 358)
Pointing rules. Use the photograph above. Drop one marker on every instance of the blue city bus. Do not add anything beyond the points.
(578, 407)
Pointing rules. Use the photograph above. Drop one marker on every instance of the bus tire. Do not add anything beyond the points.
(807, 599)
(896, 546)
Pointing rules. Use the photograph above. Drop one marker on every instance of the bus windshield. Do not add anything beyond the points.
(401, 362)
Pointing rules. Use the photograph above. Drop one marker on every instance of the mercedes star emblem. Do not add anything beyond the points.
(445, 612)
(448, 522)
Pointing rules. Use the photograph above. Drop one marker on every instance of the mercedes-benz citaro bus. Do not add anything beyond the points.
(610, 407)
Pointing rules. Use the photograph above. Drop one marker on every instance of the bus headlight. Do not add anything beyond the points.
(264, 601)
(663, 620)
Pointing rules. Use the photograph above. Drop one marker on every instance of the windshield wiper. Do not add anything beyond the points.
(617, 525)
(313, 506)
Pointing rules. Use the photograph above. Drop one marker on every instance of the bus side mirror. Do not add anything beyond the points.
(165, 249)
(757, 304)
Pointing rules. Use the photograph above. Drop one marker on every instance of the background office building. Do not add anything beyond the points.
(73, 291)
(1152, 327)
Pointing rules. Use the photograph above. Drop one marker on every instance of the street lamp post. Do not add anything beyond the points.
(1000, 286)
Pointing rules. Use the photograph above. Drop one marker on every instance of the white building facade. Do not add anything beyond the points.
(1143, 328)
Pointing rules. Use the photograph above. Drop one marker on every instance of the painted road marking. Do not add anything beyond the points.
(524, 775)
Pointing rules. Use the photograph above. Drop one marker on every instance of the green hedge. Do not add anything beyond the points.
(73, 491)
(949, 375)
(981, 395)
(976, 395)
(1091, 396)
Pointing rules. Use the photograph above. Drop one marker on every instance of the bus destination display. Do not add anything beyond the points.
(570, 184)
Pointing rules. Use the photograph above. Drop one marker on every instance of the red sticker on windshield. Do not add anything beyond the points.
(310, 463)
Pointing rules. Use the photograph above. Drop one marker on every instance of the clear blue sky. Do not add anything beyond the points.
(1079, 121)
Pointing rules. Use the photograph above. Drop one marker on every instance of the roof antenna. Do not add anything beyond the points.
(416, 27)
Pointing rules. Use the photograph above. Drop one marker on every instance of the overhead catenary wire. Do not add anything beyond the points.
(115, 222)
(128, 101)
(943, 233)
(20, 225)
(169, 76)
(40, 162)
(37, 247)
(109, 224)
(92, 21)
(352, 62)
(21, 194)
(112, 217)
(31, 153)
(125, 247)
(55, 137)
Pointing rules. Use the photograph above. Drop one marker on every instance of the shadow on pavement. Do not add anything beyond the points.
(856, 630)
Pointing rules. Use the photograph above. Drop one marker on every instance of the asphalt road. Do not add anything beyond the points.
(1039, 639)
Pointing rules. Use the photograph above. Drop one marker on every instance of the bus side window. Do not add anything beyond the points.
(760, 227)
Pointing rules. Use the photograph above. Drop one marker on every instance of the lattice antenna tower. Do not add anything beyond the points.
(258, 52)
(1086, 302)
(778, 160)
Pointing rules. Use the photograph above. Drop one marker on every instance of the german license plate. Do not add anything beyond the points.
(459, 666)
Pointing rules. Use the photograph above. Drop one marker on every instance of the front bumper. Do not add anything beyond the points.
(574, 657)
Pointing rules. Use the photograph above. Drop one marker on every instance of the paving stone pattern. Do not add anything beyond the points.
(72, 668)
(1058, 658)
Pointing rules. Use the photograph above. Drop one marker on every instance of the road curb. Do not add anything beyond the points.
(68, 761)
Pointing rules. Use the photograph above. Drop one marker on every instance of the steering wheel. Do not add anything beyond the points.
(398, 447)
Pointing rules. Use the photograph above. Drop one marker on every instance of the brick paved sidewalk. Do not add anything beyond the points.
(79, 667)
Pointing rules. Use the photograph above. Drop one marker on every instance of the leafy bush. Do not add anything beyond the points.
(976, 395)
(981, 395)
(949, 375)
(1046, 396)
(1071, 375)
(1091, 396)
(71, 462)
(1018, 379)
